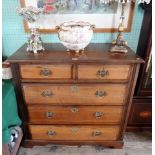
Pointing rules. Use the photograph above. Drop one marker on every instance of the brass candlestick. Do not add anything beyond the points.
(119, 45)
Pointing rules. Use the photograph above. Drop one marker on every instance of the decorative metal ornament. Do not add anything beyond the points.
(31, 15)
(119, 45)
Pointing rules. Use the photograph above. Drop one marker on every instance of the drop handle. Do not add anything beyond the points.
(96, 133)
(46, 72)
(98, 114)
(51, 133)
(74, 109)
(49, 114)
(47, 93)
(100, 93)
(102, 73)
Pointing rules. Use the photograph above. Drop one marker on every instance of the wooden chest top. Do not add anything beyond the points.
(56, 53)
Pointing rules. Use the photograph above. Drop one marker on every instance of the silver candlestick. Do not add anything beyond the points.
(31, 15)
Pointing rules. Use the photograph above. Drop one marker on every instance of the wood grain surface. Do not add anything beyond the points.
(75, 94)
(46, 71)
(112, 72)
(41, 114)
(74, 132)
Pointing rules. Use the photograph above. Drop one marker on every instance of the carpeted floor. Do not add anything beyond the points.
(137, 143)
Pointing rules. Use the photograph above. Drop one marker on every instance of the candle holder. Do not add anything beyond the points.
(31, 15)
(119, 45)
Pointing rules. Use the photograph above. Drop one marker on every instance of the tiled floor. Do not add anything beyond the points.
(138, 143)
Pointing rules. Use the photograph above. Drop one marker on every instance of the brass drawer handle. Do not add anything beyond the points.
(102, 73)
(100, 93)
(98, 114)
(47, 93)
(96, 133)
(49, 114)
(46, 72)
(51, 133)
(74, 109)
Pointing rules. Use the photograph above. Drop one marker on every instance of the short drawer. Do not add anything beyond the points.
(79, 94)
(109, 72)
(51, 132)
(45, 71)
(74, 114)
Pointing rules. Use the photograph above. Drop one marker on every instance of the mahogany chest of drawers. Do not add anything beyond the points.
(68, 99)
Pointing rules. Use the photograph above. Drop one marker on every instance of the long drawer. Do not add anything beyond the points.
(74, 114)
(45, 71)
(79, 94)
(52, 132)
(108, 72)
